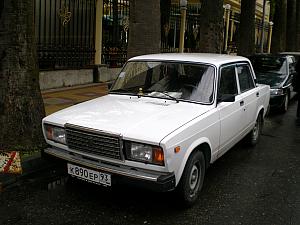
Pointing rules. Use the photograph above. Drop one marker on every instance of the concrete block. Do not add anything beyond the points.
(108, 74)
(65, 78)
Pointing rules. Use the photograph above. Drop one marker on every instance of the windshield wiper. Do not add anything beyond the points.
(166, 94)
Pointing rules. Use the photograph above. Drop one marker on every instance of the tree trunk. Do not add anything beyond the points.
(211, 26)
(279, 29)
(21, 104)
(246, 41)
(298, 26)
(144, 27)
(291, 26)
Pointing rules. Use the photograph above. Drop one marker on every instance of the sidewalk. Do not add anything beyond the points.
(57, 99)
(54, 100)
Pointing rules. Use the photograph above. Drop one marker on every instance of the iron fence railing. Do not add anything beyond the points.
(65, 31)
(171, 31)
(115, 32)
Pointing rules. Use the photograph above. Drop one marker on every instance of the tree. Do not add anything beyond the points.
(298, 26)
(21, 104)
(246, 40)
(211, 26)
(144, 27)
(291, 25)
(279, 29)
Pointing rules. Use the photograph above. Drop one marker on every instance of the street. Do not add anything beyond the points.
(258, 185)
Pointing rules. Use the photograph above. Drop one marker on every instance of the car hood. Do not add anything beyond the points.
(146, 119)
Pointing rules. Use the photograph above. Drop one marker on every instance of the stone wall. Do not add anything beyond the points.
(68, 78)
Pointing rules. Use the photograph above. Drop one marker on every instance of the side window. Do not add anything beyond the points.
(228, 85)
(291, 63)
(245, 78)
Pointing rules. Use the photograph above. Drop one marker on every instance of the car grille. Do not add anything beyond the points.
(93, 142)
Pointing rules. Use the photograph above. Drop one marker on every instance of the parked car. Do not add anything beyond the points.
(276, 71)
(295, 54)
(166, 118)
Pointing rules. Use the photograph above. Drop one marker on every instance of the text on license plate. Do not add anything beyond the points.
(89, 175)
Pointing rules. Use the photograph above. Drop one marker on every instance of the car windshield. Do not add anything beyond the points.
(270, 70)
(172, 80)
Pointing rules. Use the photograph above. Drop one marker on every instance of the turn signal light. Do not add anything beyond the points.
(158, 156)
(177, 149)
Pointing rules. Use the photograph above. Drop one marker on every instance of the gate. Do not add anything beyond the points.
(65, 31)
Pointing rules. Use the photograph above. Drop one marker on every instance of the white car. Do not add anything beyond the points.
(166, 118)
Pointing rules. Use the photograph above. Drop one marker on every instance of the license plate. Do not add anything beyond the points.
(89, 175)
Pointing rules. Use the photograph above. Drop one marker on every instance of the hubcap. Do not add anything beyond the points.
(194, 176)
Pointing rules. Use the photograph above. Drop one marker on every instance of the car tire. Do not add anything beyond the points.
(254, 135)
(191, 181)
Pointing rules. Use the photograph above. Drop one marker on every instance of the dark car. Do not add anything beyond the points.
(295, 54)
(276, 71)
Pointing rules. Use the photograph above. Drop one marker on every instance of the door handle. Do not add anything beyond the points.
(242, 103)
(257, 94)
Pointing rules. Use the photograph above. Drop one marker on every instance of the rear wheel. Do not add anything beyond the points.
(192, 178)
(254, 136)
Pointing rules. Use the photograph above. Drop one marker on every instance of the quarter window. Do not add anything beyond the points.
(245, 78)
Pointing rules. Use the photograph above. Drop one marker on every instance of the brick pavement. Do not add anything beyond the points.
(57, 99)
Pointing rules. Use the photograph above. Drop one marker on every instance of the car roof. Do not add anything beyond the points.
(208, 58)
(290, 53)
(270, 56)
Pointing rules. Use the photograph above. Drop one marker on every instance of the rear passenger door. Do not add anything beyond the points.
(249, 94)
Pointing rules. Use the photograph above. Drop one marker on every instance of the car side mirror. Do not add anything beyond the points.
(226, 98)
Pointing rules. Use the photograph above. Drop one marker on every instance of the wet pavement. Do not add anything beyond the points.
(258, 185)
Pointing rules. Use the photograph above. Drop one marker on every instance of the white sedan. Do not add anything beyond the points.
(166, 118)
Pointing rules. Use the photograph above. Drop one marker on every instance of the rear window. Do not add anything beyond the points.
(269, 64)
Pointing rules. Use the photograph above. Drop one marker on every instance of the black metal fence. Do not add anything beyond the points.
(115, 32)
(65, 31)
(171, 31)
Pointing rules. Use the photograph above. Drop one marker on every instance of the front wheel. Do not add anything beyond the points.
(254, 136)
(192, 178)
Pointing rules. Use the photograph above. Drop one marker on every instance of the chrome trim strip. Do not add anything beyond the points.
(68, 125)
(62, 154)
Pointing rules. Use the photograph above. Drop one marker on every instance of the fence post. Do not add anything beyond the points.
(98, 31)
(227, 16)
(270, 36)
(183, 6)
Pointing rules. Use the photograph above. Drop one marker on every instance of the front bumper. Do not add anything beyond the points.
(277, 101)
(153, 180)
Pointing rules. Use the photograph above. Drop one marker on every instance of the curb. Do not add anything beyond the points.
(30, 165)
